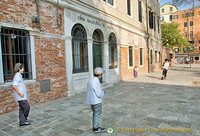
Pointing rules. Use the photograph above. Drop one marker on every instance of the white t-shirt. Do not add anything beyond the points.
(166, 65)
(94, 91)
(19, 82)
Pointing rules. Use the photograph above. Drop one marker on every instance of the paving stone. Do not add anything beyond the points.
(17, 132)
(145, 102)
(8, 129)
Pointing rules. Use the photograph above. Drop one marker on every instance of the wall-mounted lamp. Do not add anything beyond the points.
(35, 19)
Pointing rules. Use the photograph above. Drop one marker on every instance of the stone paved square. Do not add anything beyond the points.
(138, 107)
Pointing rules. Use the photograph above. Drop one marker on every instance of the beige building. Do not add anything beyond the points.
(166, 12)
(119, 35)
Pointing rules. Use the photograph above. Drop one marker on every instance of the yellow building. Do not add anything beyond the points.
(166, 12)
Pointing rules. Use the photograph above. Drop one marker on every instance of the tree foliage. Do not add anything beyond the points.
(171, 36)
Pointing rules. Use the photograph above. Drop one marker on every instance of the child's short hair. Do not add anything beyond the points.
(166, 59)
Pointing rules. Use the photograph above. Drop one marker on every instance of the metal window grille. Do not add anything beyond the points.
(112, 51)
(15, 46)
(80, 55)
(79, 49)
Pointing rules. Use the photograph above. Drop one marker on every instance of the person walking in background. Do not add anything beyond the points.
(94, 98)
(165, 69)
(21, 94)
(136, 70)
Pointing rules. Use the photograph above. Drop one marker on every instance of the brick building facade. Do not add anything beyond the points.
(61, 42)
(189, 21)
(42, 44)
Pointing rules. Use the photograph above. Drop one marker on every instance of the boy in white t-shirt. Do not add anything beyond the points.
(165, 69)
(21, 94)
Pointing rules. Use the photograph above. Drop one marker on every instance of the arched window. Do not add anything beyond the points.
(112, 51)
(96, 36)
(79, 49)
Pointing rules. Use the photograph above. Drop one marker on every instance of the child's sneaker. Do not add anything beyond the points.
(99, 130)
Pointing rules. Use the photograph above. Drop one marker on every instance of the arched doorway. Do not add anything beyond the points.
(97, 49)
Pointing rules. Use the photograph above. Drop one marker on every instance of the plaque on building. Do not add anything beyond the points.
(45, 85)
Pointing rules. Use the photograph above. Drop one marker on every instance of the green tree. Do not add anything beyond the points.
(171, 36)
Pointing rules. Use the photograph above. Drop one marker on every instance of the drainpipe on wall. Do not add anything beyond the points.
(148, 36)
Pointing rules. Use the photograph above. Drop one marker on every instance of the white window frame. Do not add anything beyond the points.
(129, 67)
(32, 50)
(130, 9)
(142, 57)
(114, 4)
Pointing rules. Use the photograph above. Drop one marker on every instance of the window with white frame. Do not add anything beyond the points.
(160, 57)
(170, 17)
(79, 49)
(130, 53)
(140, 10)
(111, 2)
(162, 18)
(155, 56)
(162, 10)
(112, 51)
(129, 7)
(151, 19)
(141, 56)
(151, 56)
(185, 24)
(15, 47)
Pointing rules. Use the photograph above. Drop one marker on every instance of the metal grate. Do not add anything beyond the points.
(79, 49)
(45, 85)
(15, 46)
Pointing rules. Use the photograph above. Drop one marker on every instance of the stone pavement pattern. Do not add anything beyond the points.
(143, 103)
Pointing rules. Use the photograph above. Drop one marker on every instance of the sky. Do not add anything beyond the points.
(183, 7)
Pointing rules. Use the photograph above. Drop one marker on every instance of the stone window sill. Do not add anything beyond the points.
(8, 85)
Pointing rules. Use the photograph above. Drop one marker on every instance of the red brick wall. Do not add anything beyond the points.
(49, 52)
(20, 13)
(127, 72)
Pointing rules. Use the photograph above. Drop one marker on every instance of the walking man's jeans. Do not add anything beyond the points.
(165, 72)
(97, 109)
(24, 109)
